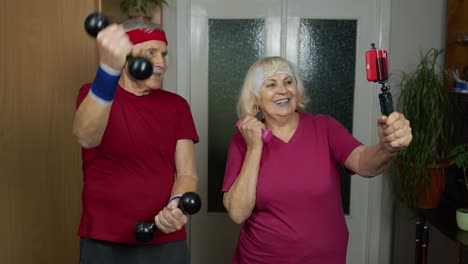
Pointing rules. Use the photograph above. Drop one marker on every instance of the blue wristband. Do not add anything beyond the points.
(104, 85)
(174, 197)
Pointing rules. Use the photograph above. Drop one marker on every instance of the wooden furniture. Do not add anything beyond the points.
(438, 231)
(445, 243)
(456, 43)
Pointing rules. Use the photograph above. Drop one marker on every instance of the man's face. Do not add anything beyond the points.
(155, 51)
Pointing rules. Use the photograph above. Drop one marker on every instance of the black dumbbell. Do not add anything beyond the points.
(190, 203)
(139, 68)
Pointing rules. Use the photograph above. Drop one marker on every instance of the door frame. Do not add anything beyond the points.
(380, 204)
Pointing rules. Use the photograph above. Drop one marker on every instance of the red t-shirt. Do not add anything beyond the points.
(129, 177)
(298, 215)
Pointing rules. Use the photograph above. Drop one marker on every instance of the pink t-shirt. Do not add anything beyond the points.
(298, 215)
(129, 177)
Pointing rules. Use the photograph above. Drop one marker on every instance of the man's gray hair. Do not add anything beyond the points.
(136, 23)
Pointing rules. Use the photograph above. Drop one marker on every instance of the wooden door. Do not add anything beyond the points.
(45, 57)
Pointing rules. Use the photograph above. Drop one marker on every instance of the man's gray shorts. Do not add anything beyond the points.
(101, 252)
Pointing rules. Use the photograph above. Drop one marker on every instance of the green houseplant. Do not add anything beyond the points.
(425, 104)
(459, 157)
(140, 7)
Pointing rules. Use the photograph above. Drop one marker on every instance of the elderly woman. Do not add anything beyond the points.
(287, 192)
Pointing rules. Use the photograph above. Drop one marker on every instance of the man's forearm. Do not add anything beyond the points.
(91, 121)
(185, 183)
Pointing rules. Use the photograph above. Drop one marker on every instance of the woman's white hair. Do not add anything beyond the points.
(257, 74)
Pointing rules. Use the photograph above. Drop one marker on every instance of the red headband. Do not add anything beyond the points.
(141, 35)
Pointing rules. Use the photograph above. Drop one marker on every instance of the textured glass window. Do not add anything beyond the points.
(327, 60)
(234, 45)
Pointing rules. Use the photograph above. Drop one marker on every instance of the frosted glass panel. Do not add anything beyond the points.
(234, 44)
(327, 61)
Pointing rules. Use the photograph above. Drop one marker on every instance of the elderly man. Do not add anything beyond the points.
(138, 152)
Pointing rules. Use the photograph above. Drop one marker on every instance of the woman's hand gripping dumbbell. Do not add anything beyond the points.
(189, 204)
(115, 47)
(267, 135)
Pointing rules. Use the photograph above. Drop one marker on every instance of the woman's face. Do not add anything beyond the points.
(278, 96)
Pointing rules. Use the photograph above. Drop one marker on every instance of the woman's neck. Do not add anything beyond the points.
(283, 127)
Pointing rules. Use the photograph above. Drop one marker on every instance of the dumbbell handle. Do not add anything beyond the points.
(267, 135)
(189, 204)
(138, 67)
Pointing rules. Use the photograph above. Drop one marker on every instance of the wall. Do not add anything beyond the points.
(415, 25)
(171, 81)
(45, 57)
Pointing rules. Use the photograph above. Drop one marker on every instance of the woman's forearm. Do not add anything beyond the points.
(239, 201)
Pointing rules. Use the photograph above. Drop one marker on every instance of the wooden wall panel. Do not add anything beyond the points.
(45, 57)
(456, 50)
